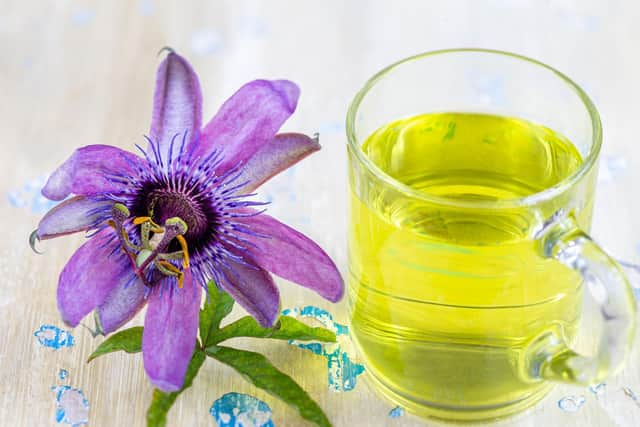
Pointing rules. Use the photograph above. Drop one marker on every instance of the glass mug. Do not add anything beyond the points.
(465, 302)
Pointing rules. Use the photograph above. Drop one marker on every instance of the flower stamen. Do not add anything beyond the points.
(168, 269)
(185, 250)
(152, 247)
(120, 213)
(149, 223)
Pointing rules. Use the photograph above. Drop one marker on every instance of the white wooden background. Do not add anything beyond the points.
(82, 72)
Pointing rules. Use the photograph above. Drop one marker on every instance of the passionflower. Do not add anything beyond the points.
(164, 224)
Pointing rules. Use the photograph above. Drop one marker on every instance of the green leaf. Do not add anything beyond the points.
(162, 402)
(217, 307)
(129, 340)
(259, 371)
(287, 328)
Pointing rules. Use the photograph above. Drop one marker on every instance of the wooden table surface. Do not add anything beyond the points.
(81, 72)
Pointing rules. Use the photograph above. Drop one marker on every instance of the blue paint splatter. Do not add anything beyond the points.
(241, 410)
(611, 168)
(396, 412)
(586, 23)
(493, 88)
(331, 127)
(616, 163)
(72, 407)
(53, 337)
(597, 389)
(314, 347)
(251, 27)
(29, 197)
(206, 41)
(63, 374)
(28, 61)
(287, 207)
(571, 403)
(342, 370)
(146, 7)
(82, 17)
(631, 394)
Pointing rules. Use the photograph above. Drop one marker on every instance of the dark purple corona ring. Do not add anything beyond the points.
(162, 225)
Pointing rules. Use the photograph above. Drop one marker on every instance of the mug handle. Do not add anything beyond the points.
(549, 357)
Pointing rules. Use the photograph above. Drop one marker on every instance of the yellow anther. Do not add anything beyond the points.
(111, 223)
(147, 220)
(142, 219)
(169, 266)
(185, 250)
(172, 268)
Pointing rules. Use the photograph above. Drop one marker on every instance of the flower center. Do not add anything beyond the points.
(164, 204)
(152, 248)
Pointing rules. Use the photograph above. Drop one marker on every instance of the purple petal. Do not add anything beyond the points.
(293, 256)
(122, 303)
(248, 120)
(89, 171)
(282, 152)
(177, 105)
(253, 288)
(169, 336)
(71, 216)
(93, 271)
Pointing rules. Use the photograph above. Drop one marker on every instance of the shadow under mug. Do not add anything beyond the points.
(466, 332)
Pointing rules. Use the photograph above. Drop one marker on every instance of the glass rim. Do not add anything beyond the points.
(530, 200)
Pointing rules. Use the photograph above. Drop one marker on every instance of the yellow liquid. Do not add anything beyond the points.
(443, 300)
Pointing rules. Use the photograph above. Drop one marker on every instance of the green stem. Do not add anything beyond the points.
(162, 402)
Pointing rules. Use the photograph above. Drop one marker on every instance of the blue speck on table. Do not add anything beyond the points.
(146, 7)
(342, 370)
(63, 374)
(29, 196)
(72, 407)
(251, 27)
(332, 127)
(571, 403)
(611, 168)
(580, 22)
(206, 41)
(598, 389)
(241, 410)
(53, 337)
(632, 395)
(82, 17)
(396, 412)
